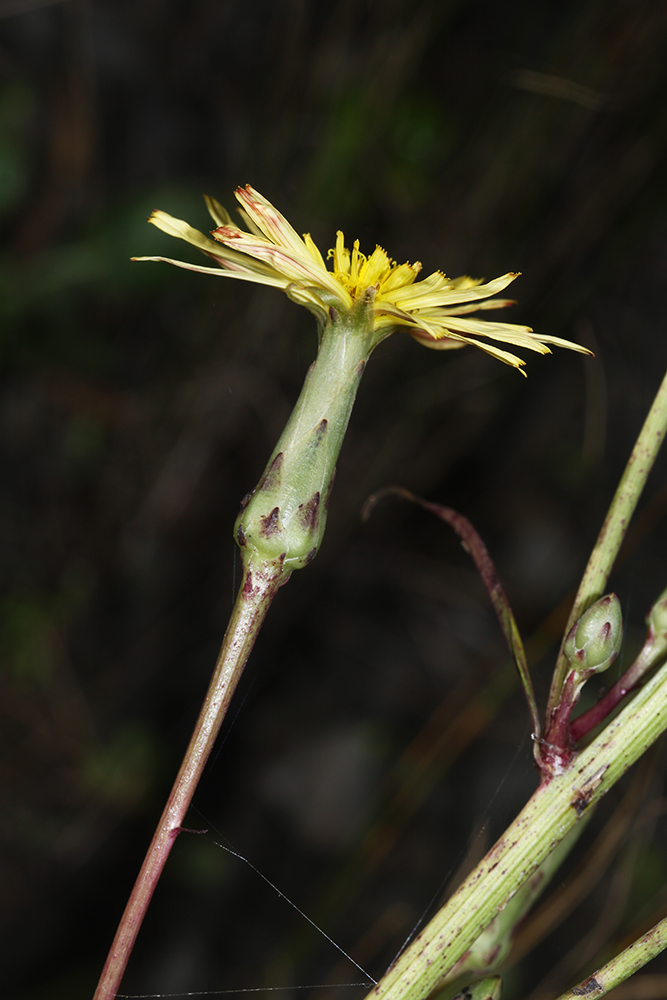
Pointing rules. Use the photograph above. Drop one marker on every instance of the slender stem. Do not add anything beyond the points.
(556, 750)
(252, 603)
(554, 809)
(615, 525)
(475, 547)
(279, 529)
(633, 958)
(588, 720)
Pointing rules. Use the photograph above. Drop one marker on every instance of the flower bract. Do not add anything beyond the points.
(435, 310)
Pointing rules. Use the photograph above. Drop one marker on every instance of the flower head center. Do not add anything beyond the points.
(357, 272)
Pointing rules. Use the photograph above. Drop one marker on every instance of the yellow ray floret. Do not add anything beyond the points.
(270, 252)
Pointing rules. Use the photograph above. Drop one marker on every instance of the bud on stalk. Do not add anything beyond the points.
(591, 647)
(595, 639)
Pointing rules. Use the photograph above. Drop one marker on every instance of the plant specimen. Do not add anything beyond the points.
(357, 303)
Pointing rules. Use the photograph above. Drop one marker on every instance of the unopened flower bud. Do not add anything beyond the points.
(594, 640)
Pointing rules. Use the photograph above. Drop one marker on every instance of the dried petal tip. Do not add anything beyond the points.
(594, 641)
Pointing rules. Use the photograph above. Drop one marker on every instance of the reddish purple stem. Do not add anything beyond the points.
(614, 696)
(251, 605)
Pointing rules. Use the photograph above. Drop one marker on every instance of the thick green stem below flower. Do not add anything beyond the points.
(285, 516)
(252, 603)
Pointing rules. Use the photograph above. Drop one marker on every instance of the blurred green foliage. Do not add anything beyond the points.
(17, 113)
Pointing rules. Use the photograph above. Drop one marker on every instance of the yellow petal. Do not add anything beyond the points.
(299, 267)
(558, 342)
(421, 295)
(313, 250)
(269, 220)
(226, 258)
(357, 261)
(218, 212)
(465, 281)
(341, 255)
(176, 227)
(375, 268)
(509, 333)
(475, 306)
(250, 224)
(399, 277)
(398, 317)
(277, 281)
(495, 352)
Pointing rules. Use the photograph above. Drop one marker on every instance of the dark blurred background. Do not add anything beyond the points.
(377, 742)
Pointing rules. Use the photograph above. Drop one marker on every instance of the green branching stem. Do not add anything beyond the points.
(631, 960)
(493, 945)
(554, 809)
(594, 580)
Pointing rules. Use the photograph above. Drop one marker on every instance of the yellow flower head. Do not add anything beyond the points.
(435, 310)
